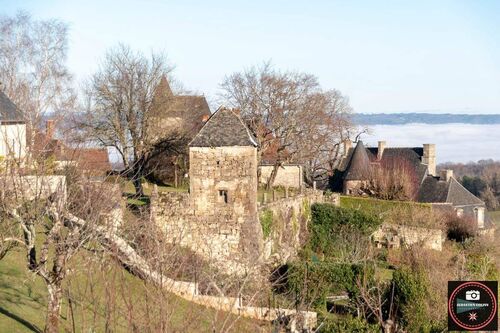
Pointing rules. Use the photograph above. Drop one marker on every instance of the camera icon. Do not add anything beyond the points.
(472, 295)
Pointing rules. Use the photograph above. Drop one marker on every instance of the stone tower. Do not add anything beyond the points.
(223, 177)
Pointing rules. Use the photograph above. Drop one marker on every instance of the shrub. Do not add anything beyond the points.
(460, 228)
(410, 296)
(328, 222)
(347, 325)
(312, 282)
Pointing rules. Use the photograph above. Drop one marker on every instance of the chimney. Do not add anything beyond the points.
(446, 175)
(347, 146)
(205, 118)
(50, 129)
(429, 158)
(381, 147)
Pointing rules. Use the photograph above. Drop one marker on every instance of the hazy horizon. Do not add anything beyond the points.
(390, 57)
(454, 142)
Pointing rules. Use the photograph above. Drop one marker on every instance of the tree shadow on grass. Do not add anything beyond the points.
(20, 320)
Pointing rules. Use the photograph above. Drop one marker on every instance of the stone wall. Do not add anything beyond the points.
(287, 176)
(395, 236)
(285, 223)
(218, 218)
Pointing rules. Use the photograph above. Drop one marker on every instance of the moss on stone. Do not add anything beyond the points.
(266, 221)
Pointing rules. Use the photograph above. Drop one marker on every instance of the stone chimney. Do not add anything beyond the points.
(429, 158)
(50, 129)
(381, 147)
(347, 146)
(446, 175)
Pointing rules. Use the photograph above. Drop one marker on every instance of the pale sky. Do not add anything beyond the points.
(387, 56)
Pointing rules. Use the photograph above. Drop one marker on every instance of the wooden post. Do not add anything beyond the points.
(314, 185)
(265, 197)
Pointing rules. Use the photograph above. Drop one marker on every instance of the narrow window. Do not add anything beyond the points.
(223, 196)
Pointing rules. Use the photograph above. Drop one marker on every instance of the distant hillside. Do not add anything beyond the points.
(424, 118)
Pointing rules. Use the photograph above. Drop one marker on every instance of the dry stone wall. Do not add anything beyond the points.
(395, 236)
(285, 224)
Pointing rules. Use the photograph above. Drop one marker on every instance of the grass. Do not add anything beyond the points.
(93, 291)
(494, 216)
(377, 206)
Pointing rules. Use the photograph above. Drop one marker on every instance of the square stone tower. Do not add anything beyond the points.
(223, 176)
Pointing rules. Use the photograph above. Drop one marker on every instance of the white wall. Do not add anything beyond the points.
(287, 176)
(13, 140)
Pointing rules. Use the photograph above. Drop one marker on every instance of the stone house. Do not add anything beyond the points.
(359, 162)
(218, 217)
(178, 118)
(91, 160)
(12, 130)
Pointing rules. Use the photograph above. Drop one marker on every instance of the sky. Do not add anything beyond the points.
(387, 56)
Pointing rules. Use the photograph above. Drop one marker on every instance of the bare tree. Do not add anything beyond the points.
(33, 71)
(292, 117)
(34, 212)
(118, 108)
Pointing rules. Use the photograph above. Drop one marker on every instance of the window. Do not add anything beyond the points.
(223, 196)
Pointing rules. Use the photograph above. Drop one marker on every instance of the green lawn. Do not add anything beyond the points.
(93, 291)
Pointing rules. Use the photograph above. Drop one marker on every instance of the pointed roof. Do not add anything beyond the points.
(460, 196)
(224, 128)
(163, 87)
(435, 190)
(8, 110)
(359, 165)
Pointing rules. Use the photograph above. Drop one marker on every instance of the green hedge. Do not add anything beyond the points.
(312, 282)
(377, 206)
(328, 221)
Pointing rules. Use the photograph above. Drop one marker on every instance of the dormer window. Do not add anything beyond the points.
(223, 196)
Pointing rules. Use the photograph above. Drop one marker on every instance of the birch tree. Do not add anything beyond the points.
(33, 70)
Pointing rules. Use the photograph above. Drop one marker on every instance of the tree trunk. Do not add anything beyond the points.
(53, 307)
(176, 175)
(272, 176)
(139, 192)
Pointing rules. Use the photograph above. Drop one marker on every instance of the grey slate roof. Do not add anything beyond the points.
(434, 190)
(8, 110)
(359, 160)
(359, 165)
(224, 128)
(460, 196)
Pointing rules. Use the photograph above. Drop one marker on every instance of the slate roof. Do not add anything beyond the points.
(8, 110)
(358, 161)
(434, 190)
(412, 156)
(224, 128)
(190, 108)
(460, 196)
(359, 165)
